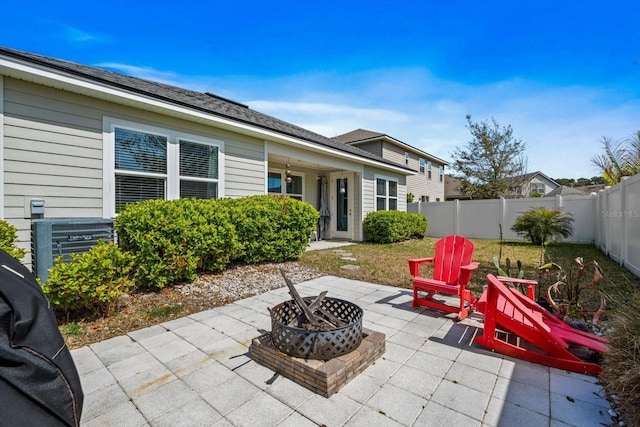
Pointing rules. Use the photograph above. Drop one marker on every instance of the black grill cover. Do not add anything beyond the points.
(39, 383)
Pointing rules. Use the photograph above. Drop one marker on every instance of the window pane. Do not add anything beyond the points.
(381, 204)
(140, 152)
(130, 189)
(295, 186)
(393, 204)
(393, 189)
(381, 187)
(198, 189)
(199, 160)
(275, 182)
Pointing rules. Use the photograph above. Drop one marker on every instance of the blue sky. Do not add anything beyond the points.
(561, 73)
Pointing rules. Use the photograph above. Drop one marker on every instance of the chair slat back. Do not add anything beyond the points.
(451, 253)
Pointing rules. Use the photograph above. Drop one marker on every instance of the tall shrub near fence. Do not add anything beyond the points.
(394, 226)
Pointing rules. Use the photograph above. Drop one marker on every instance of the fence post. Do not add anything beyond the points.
(456, 217)
(623, 229)
(503, 213)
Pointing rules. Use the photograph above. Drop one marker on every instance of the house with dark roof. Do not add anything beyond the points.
(88, 141)
(534, 184)
(427, 185)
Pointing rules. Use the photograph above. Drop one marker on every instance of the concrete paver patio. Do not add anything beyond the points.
(198, 371)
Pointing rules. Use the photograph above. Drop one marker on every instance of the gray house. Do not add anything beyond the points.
(427, 185)
(88, 141)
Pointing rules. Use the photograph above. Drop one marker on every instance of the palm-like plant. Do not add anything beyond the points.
(539, 224)
(620, 158)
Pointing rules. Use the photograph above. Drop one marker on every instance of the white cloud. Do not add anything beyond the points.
(562, 126)
(78, 36)
(147, 73)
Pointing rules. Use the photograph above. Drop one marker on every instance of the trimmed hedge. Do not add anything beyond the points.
(172, 240)
(272, 228)
(394, 226)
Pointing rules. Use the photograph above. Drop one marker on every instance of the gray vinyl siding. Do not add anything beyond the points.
(368, 189)
(50, 154)
(53, 150)
(373, 147)
(393, 152)
(244, 167)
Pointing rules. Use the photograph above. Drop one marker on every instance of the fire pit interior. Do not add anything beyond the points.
(318, 342)
(292, 335)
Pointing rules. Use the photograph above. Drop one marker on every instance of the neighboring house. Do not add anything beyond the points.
(531, 185)
(88, 141)
(452, 190)
(427, 185)
(565, 190)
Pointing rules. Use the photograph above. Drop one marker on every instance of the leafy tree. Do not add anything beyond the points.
(569, 182)
(490, 161)
(620, 158)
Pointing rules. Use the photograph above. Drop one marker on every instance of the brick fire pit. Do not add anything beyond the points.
(324, 377)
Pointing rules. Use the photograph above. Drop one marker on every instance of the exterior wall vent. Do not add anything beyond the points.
(51, 238)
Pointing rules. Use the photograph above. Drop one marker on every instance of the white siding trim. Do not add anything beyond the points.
(1, 147)
(266, 167)
(173, 139)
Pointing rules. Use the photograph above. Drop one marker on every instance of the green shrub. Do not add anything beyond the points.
(394, 226)
(539, 224)
(8, 235)
(171, 240)
(90, 282)
(272, 228)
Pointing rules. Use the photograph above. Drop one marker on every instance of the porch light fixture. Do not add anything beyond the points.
(287, 173)
(342, 187)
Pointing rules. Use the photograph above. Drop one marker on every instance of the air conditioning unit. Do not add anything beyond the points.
(51, 238)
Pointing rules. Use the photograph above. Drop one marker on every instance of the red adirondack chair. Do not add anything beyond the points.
(547, 339)
(452, 269)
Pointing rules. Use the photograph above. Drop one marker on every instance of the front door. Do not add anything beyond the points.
(342, 205)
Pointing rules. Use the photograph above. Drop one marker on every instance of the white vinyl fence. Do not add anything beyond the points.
(610, 219)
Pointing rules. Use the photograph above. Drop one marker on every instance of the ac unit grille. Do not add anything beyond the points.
(52, 238)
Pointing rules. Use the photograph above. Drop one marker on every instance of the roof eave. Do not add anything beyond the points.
(73, 82)
(401, 144)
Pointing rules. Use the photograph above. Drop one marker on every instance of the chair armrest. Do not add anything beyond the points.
(415, 263)
(470, 267)
(465, 273)
(531, 284)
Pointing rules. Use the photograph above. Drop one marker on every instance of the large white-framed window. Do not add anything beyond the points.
(406, 158)
(421, 162)
(428, 170)
(277, 184)
(386, 194)
(441, 172)
(144, 162)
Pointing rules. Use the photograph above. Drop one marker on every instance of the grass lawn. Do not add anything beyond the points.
(387, 265)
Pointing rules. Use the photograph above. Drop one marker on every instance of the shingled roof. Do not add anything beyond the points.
(204, 102)
(358, 135)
